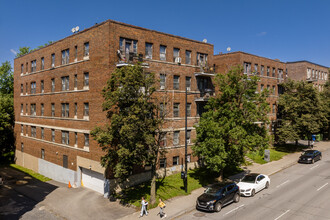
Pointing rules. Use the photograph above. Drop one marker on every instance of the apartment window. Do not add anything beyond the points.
(75, 139)
(313, 73)
(42, 133)
(53, 110)
(189, 158)
(247, 67)
(26, 130)
(22, 129)
(65, 110)
(75, 53)
(75, 81)
(273, 73)
(86, 80)
(262, 70)
(176, 82)
(163, 140)
(65, 56)
(280, 73)
(21, 89)
(65, 137)
(188, 109)
(201, 59)
(33, 109)
(33, 66)
(268, 70)
(162, 109)
(65, 161)
(42, 63)
(188, 57)
(75, 109)
(22, 68)
(33, 131)
(86, 109)
(274, 108)
(268, 88)
(86, 49)
(162, 163)
(86, 140)
(262, 87)
(42, 86)
(188, 136)
(65, 83)
(33, 87)
(255, 68)
(175, 161)
(22, 147)
(22, 109)
(53, 60)
(127, 46)
(162, 52)
(53, 135)
(176, 136)
(148, 50)
(42, 109)
(176, 110)
(162, 81)
(176, 54)
(53, 85)
(188, 83)
(42, 153)
(274, 90)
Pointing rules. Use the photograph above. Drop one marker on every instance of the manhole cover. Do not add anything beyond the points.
(199, 214)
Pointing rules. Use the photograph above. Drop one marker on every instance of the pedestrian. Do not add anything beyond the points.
(144, 204)
(161, 206)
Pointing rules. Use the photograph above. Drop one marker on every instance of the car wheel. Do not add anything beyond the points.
(253, 193)
(236, 198)
(218, 207)
(267, 185)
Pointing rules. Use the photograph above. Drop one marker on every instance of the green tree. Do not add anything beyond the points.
(325, 98)
(234, 122)
(132, 139)
(22, 51)
(6, 78)
(302, 112)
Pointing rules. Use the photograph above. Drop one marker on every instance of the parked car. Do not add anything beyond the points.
(310, 156)
(253, 183)
(218, 195)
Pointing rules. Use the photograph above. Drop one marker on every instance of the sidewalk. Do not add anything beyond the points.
(179, 205)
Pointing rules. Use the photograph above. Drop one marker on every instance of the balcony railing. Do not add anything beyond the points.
(204, 71)
(204, 95)
(131, 59)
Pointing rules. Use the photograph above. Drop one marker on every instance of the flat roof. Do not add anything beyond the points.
(241, 52)
(306, 61)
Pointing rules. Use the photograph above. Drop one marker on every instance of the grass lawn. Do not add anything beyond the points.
(274, 155)
(31, 173)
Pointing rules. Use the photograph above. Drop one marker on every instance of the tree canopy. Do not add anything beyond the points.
(233, 122)
(6, 78)
(22, 51)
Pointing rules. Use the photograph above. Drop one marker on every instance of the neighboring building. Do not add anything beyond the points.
(308, 71)
(271, 73)
(57, 97)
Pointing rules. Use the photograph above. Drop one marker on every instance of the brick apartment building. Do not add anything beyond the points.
(271, 73)
(57, 97)
(308, 71)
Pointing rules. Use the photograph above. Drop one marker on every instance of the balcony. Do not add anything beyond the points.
(130, 59)
(204, 95)
(310, 80)
(204, 71)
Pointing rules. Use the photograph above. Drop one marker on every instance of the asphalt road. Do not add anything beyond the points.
(300, 192)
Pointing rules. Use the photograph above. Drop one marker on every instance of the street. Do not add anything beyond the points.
(299, 192)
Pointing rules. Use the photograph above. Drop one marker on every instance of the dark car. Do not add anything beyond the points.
(310, 156)
(217, 196)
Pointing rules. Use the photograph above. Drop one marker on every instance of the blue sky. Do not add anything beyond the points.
(288, 30)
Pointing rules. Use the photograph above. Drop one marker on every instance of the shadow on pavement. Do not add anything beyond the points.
(20, 193)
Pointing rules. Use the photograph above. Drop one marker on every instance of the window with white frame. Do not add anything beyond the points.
(163, 140)
(53, 135)
(274, 90)
(262, 70)
(86, 49)
(255, 68)
(188, 57)
(65, 83)
(42, 153)
(22, 129)
(162, 52)
(42, 109)
(86, 140)
(75, 110)
(268, 88)
(188, 109)
(53, 110)
(33, 66)
(53, 85)
(75, 82)
(313, 71)
(33, 109)
(175, 160)
(33, 131)
(42, 86)
(86, 109)
(65, 110)
(162, 163)
(162, 81)
(22, 89)
(176, 82)
(65, 56)
(268, 70)
(148, 51)
(65, 138)
(188, 83)
(176, 53)
(176, 138)
(274, 71)
(188, 136)
(176, 111)
(201, 59)
(42, 63)
(53, 60)
(22, 68)
(22, 109)
(42, 133)
(33, 87)
(127, 46)
(189, 158)
(247, 67)
(75, 53)
(75, 139)
(86, 80)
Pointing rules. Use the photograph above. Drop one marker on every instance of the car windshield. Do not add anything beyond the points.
(308, 153)
(249, 179)
(212, 190)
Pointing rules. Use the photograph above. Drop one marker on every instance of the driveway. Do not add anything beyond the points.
(24, 197)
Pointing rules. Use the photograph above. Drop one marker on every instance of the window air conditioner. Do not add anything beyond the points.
(178, 60)
(162, 87)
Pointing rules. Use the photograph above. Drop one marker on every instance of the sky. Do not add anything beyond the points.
(289, 30)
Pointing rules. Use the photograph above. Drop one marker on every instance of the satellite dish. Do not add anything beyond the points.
(228, 49)
(77, 28)
(73, 30)
(205, 40)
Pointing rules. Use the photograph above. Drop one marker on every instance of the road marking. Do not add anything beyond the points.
(283, 183)
(234, 209)
(322, 187)
(282, 214)
(314, 166)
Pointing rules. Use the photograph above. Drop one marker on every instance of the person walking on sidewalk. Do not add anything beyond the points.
(144, 204)
(161, 206)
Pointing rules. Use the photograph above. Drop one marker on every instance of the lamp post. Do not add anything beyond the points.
(185, 149)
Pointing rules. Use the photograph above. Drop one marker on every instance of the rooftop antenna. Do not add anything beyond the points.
(75, 29)
(228, 49)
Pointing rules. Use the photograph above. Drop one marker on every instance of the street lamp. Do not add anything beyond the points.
(185, 148)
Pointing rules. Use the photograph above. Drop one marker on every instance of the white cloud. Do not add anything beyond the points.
(13, 51)
(262, 34)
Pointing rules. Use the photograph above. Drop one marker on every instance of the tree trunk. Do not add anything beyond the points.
(220, 178)
(153, 185)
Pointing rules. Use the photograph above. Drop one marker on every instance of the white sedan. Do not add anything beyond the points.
(253, 183)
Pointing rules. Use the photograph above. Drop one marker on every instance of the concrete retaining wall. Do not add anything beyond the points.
(57, 173)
